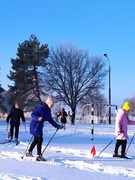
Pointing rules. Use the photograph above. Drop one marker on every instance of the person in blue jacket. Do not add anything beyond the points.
(41, 114)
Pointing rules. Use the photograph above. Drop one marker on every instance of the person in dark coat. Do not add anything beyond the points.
(41, 114)
(63, 118)
(14, 117)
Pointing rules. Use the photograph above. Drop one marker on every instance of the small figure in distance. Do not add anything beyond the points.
(63, 118)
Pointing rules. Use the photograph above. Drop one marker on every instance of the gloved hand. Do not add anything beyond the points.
(40, 119)
(120, 132)
(59, 127)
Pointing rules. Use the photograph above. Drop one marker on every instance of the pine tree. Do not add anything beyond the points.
(3, 109)
(27, 72)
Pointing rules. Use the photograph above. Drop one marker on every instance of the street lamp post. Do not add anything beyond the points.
(105, 54)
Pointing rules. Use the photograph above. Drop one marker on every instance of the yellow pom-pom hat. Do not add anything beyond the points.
(126, 106)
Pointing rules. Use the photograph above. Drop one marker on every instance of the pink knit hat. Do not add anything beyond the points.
(49, 101)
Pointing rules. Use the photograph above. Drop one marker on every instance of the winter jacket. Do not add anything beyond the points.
(63, 115)
(36, 127)
(14, 116)
(122, 122)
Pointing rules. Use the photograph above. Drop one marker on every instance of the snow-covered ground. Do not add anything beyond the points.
(68, 155)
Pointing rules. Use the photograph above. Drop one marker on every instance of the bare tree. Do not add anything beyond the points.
(94, 97)
(98, 100)
(71, 73)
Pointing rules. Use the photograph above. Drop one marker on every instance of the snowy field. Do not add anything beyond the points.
(68, 155)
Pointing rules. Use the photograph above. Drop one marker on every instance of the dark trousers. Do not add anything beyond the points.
(121, 143)
(16, 127)
(37, 141)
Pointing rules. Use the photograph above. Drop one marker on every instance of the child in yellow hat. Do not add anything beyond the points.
(121, 127)
(126, 106)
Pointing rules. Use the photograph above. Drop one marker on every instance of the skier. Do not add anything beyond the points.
(72, 118)
(121, 126)
(63, 119)
(14, 117)
(41, 114)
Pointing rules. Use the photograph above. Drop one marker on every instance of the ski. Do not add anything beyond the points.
(9, 141)
(101, 158)
(4, 142)
(34, 159)
(17, 143)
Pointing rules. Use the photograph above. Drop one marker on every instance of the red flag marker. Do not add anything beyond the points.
(93, 151)
(8, 134)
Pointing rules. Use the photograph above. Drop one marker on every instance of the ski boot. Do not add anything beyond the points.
(116, 155)
(40, 158)
(124, 156)
(29, 154)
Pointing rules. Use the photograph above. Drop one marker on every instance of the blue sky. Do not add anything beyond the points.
(94, 25)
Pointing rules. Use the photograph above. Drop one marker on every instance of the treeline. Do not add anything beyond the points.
(69, 73)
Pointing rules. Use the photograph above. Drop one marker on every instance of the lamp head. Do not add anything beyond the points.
(105, 54)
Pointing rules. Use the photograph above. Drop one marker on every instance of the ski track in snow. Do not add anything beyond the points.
(13, 176)
(68, 157)
(93, 166)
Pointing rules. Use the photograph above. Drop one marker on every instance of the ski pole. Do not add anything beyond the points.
(108, 144)
(27, 147)
(49, 141)
(30, 141)
(8, 135)
(130, 143)
(7, 127)
(25, 127)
